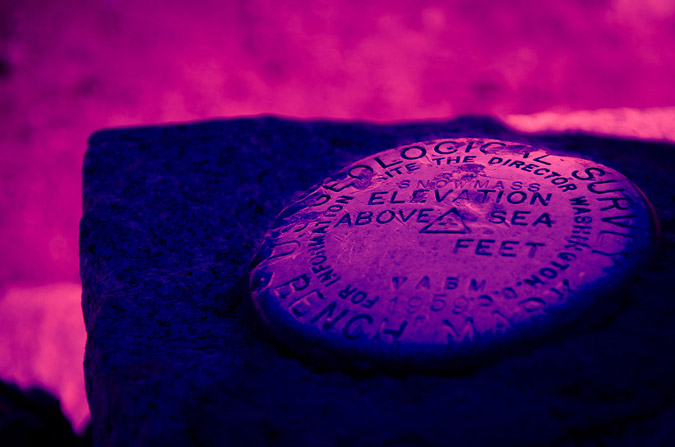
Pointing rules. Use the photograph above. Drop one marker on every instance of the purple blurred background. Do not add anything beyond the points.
(69, 68)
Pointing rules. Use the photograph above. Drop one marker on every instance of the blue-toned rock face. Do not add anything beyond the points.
(173, 215)
(440, 253)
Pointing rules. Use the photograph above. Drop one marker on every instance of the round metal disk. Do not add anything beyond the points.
(437, 254)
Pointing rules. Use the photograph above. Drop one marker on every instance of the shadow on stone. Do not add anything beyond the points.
(34, 417)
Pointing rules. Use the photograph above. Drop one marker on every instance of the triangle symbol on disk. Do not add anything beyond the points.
(450, 222)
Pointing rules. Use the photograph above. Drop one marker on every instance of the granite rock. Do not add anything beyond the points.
(171, 218)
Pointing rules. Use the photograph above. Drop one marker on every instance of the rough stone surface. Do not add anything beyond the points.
(172, 216)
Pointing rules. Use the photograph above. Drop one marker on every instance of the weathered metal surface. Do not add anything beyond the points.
(441, 253)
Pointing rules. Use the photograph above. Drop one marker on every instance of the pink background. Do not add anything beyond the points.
(68, 68)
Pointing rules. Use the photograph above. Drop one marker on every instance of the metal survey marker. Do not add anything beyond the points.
(435, 254)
